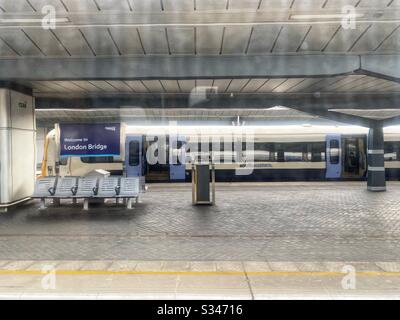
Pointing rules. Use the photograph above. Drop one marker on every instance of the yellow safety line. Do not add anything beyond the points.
(200, 273)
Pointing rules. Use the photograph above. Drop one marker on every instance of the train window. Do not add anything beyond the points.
(260, 155)
(179, 144)
(97, 159)
(134, 153)
(178, 160)
(288, 152)
(293, 156)
(334, 151)
(390, 156)
(225, 156)
(392, 150)
(64, 161)
(262, 152)
(292, 152)
(178, 152)
(280, 156)
(317, 152)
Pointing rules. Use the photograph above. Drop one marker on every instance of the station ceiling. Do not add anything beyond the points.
(90, 28)
(114, 48)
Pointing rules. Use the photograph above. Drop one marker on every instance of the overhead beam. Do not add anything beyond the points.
(178, 67)
(318, 105)
(305, 102)
(386, 67)
(16, 87)
(199, 67)
(391, 121)
(339, 117)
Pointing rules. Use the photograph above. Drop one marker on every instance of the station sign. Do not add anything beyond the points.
(90, 140)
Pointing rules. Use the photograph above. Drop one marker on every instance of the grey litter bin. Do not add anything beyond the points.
(203, 184)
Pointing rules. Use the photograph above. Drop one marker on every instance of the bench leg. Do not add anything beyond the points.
(42, 204)
(74, 200)
(56, 202)
(129, 204)
(3, 210)
(116, 200)
(86, 204)
(138, 199)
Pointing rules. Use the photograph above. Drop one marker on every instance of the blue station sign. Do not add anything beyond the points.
(90, 140)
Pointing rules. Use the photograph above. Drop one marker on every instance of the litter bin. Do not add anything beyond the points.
(203, 184)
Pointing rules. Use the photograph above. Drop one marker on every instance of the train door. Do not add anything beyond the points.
(177, 169)
(354, 159)
(159, 171)
(134, 156)
(333, 156)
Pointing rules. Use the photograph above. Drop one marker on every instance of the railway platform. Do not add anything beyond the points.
(296, 238)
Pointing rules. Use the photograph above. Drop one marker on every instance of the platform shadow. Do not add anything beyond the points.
(100, 212)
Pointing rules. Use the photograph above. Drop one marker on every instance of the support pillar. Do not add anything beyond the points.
(376, 159)
(17, 146)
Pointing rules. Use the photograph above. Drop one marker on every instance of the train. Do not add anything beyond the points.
(273, 153)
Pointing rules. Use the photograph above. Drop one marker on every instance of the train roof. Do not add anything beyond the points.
(266, 130)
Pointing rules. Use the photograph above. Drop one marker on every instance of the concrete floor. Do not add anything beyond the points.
(197, 280)
(260, 222)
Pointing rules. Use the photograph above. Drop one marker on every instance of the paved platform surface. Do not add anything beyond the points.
(198, 280)
(262, 222)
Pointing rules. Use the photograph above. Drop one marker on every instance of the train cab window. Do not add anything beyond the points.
(64, 161)
(97, 159)
(134, 153)
(334, 151)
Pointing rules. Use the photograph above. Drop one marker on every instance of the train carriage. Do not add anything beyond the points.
(275, 153)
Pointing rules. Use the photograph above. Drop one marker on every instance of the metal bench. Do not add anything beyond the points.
(45, 188)
(119, 188)
(88, 188)
(66, 187)
(129, 189)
